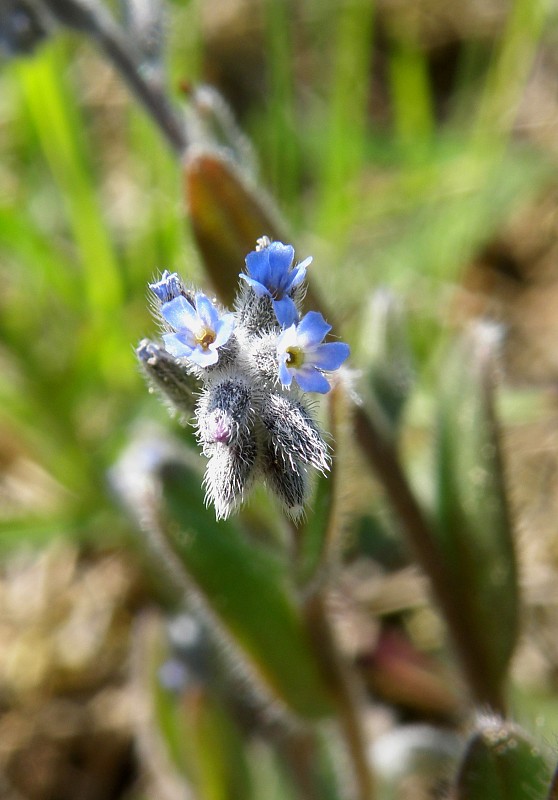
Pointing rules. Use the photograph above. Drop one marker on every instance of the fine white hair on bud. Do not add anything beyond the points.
(229, 473)
(224, 411)
(255, 314)
(263, 357)
(252, 371)
(293, 433)
(290, 484)
(174, 384)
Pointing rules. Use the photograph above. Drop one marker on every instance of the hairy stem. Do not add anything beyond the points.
(345, 691)
(94, 21)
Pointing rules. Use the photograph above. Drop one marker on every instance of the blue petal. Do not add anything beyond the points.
(168, 287)
(285, 376)
(147, 350)
(297, 275)
(203, 357)
(207, 313)
(310, 380)
(176, 346)
(312, 329)
(257, 263)
(224, 330)
(280, 259)
(285, 311)
(180, 314)
(258, 287)
(330, 355)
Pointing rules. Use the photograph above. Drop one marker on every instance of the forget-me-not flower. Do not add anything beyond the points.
(199, 329)
(271, 273)
(167, 287)
(304, 356)
(232, 373)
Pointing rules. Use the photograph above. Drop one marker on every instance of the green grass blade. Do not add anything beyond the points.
(344, 129)
(59, 129)
(411, 97)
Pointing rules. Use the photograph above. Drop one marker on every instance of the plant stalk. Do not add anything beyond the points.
(94, 22)
(345, 693)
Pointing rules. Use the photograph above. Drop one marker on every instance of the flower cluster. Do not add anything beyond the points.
(250, 370)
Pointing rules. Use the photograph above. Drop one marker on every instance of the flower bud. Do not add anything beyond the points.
(288, 481)
(229, 473)
(293, 433)
(223, 412)
(167, 376)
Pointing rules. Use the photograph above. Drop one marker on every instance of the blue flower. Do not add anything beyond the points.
(168, 287)
(200, 329)
(302, 355)
(271, 273)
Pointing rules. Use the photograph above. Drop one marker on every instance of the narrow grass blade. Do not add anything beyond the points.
(411, 96)
(284, 164)
(510, 69)
(387, 350)
(59, 129)
(344, 130)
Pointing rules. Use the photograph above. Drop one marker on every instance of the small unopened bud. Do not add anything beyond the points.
(255, 314)
(169, 286)
(168, 377)
(293, 433)
(224, 411)
(288, 481)
(229, 474)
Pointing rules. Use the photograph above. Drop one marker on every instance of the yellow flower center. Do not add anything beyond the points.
(295, 357)
(205, 337)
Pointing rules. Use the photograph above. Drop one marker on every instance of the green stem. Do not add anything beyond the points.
(345, 692)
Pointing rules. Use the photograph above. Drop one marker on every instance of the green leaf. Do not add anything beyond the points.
(502, 763)
(248, 594)
(473, 525)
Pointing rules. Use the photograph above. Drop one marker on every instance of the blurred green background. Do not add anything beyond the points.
(408, 145)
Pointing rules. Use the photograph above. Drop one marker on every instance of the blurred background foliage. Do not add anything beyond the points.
(411, 148)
